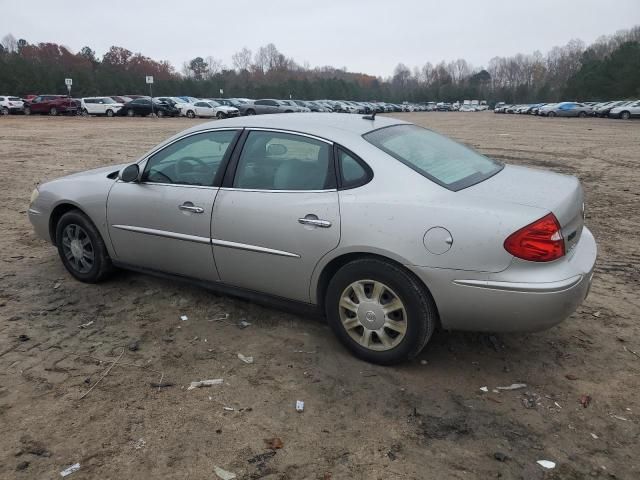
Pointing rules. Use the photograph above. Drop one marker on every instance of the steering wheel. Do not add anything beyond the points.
(181, 165)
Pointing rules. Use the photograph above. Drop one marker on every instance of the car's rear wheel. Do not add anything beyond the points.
(379, 311)
(85, 112)
(582, 114)
(251, 112)
(220, 115)
(27, 111)
(131, 113)
(551, 114)
(159, 113)
(109, 113)
(53, 112)
(625, 115)
(81, 248)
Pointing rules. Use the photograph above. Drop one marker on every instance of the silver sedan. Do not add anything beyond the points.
(389, 229)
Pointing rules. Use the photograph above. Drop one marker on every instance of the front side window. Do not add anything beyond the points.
(434, 156)
(193, 160)
(282, 161)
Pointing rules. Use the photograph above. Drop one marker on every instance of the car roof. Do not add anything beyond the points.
(325, 125)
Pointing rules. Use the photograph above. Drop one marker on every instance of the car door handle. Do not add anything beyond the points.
(190, 207)
(315, 221)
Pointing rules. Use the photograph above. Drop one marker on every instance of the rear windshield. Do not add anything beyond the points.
(441, 160)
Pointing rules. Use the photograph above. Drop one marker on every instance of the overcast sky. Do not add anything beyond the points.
(369, 36)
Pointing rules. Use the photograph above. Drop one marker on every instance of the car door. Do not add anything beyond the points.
(203, 109)
(163, 221)
(277, 213)
(37, 105)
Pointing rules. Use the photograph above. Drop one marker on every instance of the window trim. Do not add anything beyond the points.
(232, 167)
(342, 184)
(217, 181)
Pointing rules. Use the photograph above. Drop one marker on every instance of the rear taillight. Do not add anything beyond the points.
(540, 241)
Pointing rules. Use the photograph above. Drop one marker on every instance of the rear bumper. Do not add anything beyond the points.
(523, 298)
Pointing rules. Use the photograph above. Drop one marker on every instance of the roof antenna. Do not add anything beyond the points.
(370, 117)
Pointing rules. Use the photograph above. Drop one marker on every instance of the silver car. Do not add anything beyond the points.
(389, 229)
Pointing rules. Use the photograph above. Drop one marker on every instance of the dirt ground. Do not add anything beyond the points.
(427, 419)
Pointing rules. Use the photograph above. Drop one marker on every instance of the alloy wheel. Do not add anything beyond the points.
(373, 315)
(77, 248)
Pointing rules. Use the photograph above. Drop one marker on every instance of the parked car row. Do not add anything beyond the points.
(139, 105)
(624, 109)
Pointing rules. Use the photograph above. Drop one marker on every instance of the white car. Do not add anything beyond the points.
(626, 111)
(211, 108)
(100, 106)
(468, 108)
(11, 105)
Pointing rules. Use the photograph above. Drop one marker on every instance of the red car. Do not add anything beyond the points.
(51, 104)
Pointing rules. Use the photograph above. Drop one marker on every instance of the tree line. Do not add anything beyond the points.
(608, 68)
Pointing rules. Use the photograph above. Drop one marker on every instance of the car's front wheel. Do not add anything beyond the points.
(220, 115)
(191, 114)
(131, 113)
(53, 112)
(379, 311)
(625, 115)
(5, 111)
(81, 248)
(109, 113)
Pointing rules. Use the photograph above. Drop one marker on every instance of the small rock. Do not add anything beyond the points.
(22, 466)
(570, 376)
(423, 362)
(501, 457)
(134, 346)
(585, 400)
(24, 338)
(14, 318)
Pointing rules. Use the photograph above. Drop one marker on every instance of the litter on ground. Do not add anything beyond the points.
(223, 474)
(205, 383)
(513, 386)
(69, 470)
(548, 464)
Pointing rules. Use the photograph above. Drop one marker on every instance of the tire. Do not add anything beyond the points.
(85, 112)
(5, 111)
(131, 113)
(251, 112)
(582, 115)
(159, 113)
(109, 113)
(221, 115)
(191, 114)
(81, 248)
(417, 315)
(27, 111)
(625, 115)
(551, 114)
(53, 112)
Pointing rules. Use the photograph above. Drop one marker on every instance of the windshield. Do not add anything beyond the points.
(213, 103)
(108, 100)
(439, 159)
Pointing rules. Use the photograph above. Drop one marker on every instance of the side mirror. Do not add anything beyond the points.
(130, 173)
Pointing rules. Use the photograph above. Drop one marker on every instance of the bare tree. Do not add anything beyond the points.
(10, 43)
(242, 60)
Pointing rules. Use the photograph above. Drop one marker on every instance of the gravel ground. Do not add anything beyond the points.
(421, 420)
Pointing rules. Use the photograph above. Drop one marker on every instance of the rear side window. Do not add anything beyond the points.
(434, 156)
(353, 172)
(282, 161)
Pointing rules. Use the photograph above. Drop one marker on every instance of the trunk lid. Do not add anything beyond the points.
(560, 194)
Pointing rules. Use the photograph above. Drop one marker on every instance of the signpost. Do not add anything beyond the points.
(68, 82)
(149, 79)
(221, 92)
